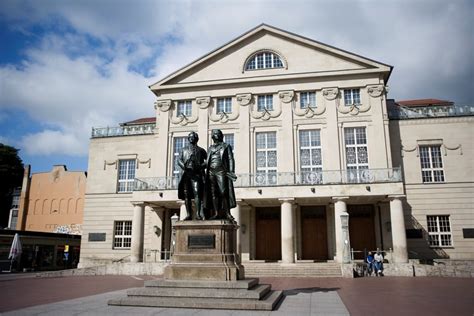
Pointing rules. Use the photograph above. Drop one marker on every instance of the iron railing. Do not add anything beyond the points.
(404, 113)
(142, 129)
(385, 175)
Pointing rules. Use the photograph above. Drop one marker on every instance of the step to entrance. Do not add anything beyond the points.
(274, 269)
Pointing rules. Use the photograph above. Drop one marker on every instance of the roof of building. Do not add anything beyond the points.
(424, 102)
(143, 120)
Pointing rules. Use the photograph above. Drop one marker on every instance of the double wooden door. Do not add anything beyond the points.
(314, 233)
(361, 229)
(268, 235)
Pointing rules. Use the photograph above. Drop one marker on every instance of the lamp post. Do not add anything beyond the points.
(346, 258)
(174, 219)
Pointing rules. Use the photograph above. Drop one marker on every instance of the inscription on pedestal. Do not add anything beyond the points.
(201, 241)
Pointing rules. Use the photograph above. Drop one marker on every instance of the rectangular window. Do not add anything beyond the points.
(351, 96)
(184, 108)
(307, 99)
(357, 158)
(266, 158)
(122, 234)
(229, 139)
(439, 230)
(178, 145)
(311, 164)
(265, 103)
(126, 175)
(224, 105)
(431, 164)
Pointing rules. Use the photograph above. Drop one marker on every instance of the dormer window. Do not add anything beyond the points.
(264, 60)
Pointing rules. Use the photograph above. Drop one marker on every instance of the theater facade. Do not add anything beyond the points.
(327, 167)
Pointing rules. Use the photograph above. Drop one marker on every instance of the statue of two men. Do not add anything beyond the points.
(212, 189)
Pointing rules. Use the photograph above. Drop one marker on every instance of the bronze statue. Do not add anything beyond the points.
(192, 160)
(220, 195)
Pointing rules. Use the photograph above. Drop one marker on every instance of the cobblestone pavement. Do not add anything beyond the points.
(87, 295)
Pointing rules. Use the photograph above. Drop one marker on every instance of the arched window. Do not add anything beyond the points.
(264, 60)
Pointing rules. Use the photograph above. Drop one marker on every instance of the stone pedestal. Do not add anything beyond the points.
(205, 250)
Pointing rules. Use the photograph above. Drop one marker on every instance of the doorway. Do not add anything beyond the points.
(361, 229)
(314, 233)
(268, 235)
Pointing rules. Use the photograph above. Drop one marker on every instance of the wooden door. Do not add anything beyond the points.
(361, 229)
(268, 235)
(314, 233)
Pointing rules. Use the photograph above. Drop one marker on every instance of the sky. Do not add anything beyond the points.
(69, 65)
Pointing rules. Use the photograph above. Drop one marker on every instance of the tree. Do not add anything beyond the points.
(11, 175)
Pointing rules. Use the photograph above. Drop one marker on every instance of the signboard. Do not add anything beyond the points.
(96, 237)
(66, 248)
(201, 241)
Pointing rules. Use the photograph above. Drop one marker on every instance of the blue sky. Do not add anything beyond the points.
(66, 66)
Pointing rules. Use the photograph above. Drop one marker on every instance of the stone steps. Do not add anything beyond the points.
(242, 294)
(292, 270)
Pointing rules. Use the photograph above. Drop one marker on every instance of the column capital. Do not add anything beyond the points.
(180, 202)
(340, 198)
(241, 202)
(138, 203)
(287, 200)
(396, 197)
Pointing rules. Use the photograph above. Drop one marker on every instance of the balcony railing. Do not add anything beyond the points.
(287, 179)
(403, 113)
(142, 129)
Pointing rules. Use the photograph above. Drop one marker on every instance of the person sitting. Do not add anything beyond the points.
(378, 264)
(370, 263)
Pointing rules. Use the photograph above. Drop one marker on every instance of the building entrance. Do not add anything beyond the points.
(361, 229)
(268, 235)
(314, 233)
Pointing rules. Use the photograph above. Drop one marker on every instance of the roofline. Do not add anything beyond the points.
(280, 30)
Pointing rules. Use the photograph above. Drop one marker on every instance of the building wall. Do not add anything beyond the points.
(54, 201)
(453, 197)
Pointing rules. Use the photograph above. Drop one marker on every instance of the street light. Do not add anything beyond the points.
(345, 231)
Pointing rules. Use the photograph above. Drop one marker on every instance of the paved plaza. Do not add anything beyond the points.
(88, 295)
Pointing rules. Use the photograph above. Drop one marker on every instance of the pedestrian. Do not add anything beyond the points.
(378, 258)
(370, 263)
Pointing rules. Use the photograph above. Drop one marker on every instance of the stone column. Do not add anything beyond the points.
(399, 238)
(236, 213)
(340, 207)
(137, 232)
(287, 234)
(182, 210)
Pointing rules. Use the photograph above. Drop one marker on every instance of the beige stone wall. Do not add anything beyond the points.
(55, 202)
(453, 197)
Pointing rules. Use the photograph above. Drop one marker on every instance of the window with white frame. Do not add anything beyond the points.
(439, 230)
(224, 105)
(307, 100)
(178, 144)
(431, 164)
(184, 108)
(122, 234)
(264, 60)
(311, 163)
(351, 97)
(357, 158)
(229, 139)
(126, 175)
(265, 103)
(266, 158)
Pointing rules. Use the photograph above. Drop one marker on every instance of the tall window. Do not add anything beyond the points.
(265, 102)
(264, 60)
(439, 230)
(229, 139)
(310, 156)
(123, 234)
(224, 105)
(307, 100)
(266, 158)
(126, 175)
(351, 96)
(178, 145)
(184, 108)
(356, 154)
(431, 164)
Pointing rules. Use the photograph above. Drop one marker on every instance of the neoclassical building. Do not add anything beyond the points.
(316, 144)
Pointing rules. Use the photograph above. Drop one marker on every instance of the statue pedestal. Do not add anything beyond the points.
(205, 250)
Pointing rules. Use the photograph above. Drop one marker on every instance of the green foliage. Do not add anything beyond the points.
(11, 176)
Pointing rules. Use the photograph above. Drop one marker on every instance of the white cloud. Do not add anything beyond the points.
(49, 142)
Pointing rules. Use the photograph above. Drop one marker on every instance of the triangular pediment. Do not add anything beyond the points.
(300, 56)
